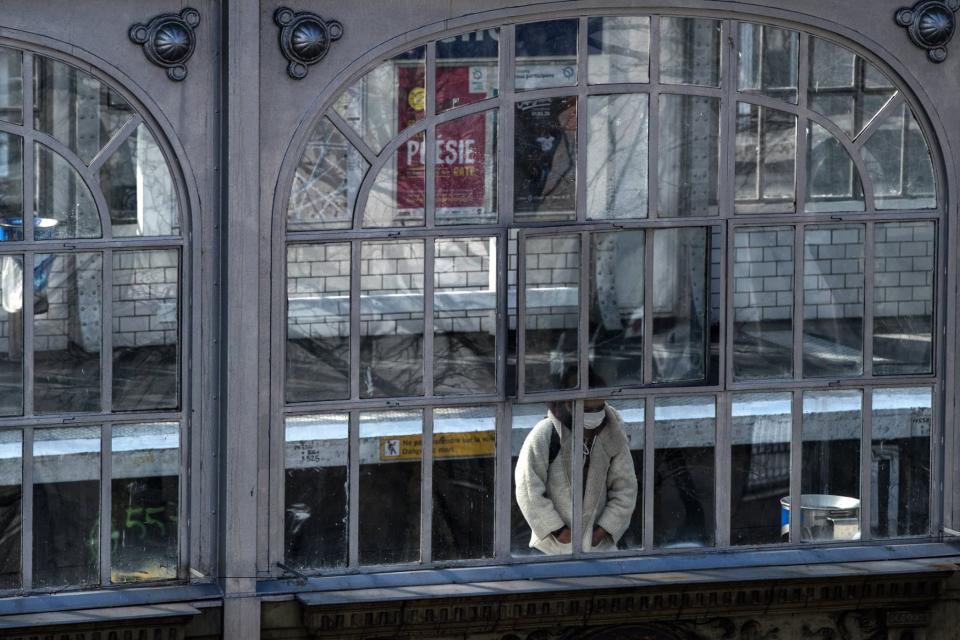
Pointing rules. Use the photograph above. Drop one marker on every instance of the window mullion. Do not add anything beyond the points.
(28, 173)
(722, 458)
(355, 319)
(577, 480)
(106, 325)
(27, 320)
(582, 123)
(428, 336)
(866, 463)
(426, 488)
(430, 140)
(106, 500)
(26, 510)
(505, 128)
(800, 168)
(648, 306)
(648, 472)
(521, 315)
(798, 283)
(353, 487)
(653, 122)
(726, 190)
(868, 297)
(796, 460)
(502, 481)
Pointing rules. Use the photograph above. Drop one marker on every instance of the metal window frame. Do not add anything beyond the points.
(729, 221)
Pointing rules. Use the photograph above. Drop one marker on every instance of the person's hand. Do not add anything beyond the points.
(599, 533)
(562, 535)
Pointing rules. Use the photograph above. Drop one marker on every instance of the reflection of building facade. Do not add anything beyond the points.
(270, 347)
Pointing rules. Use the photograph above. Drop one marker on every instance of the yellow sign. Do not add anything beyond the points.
(472, 444)
(417, 98)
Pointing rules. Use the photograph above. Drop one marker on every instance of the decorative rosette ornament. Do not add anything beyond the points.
(169, 40)
(930, 25)
(305, 38)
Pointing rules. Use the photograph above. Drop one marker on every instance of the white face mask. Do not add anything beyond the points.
(593, 419)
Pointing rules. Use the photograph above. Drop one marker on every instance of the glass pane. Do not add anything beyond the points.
(617, 156)
(833, 182)
(145, 492)
(616, 307)
(316, 494)
(390, 454)
(467, 70)
(64, 207)
(138, 188)
(689, 155)
(11, 186)
(466, 170)
(11, 498)
(464, 462)
(689, 51)
(845, 87)
(552, 299)
(769, 61)
(11, 85)
(545, 159)
(763, 303)
(546, 54)
(903, 298)
(387, 100)
(618, 49)
(67, 332)
(830, 483)
(318, 322)
(765, 160)
(76, 108)
(391, 318)
(464, 316)
(145, 329)
(680, 304)
(11, 336)
(760, 467)
(66, 506)
(900, 466)
(899, 165)
(684, 437)
(543, 498)
(397, 195)
(833, 301)
(631, 414)
(326, 182)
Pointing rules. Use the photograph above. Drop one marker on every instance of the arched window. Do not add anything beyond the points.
(727, 230)
(91, 352)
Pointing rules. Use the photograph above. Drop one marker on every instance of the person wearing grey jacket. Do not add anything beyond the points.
(544, 488)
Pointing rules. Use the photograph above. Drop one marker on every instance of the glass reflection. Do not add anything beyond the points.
(467, 70)
(833, 300)
(689, 51)
(766, 148)
(618, 49)
(326, 182)
(11, 500)
(899, 165)
(464, 461)
(833, 182)
(617, 156)
(769, 61)
(318, 322)
(64, 205)
(763, 303)
(66, 506)
(396, 198)
(466, 170)
(67, 332)
(76, 108)
(684, 437)
(391, 318)
(145, 495)
(11, 335)
(680, 304)
(844, 87)
(830, 478)
(552, 299)
(689, 153)
(390, 460)
(760, 467)
(386, 100)
(11, 186)
(465, 315)
(546, 54)
(900, 464)
(545, 159)
(903, 298)
(11, 85)
(145, 329)
(616, 307)
(316, 495)
(138, 188)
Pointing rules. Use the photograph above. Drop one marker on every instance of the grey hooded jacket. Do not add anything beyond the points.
(544, 490)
